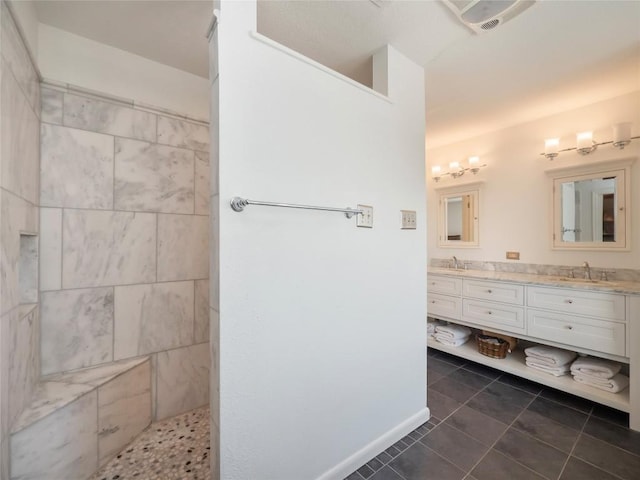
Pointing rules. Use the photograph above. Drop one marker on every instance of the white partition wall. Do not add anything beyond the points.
(322, 324)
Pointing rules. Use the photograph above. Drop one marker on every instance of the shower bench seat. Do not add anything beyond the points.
(77, 421)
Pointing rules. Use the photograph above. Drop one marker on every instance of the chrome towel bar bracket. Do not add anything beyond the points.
(238, 204)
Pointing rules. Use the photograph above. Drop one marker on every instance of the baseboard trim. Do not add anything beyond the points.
(355, 461)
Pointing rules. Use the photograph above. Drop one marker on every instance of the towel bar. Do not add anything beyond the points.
(238, 204)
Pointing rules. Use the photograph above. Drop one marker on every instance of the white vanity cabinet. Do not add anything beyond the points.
(493, 304)
(443, 297)
(582, 319)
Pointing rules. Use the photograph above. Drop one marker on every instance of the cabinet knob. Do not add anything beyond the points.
(568, 300)
(568, 327)
(490, 312)
(489, 291)
(433, 301)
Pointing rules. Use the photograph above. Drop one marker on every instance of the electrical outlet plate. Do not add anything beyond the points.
(513, 255)
(366, 218)
(408, 219)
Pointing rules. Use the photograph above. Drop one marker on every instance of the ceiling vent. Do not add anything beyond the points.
(484, 15)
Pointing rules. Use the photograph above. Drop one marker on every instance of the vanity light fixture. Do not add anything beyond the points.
(585, 143)
(551, 148)
(456, 170)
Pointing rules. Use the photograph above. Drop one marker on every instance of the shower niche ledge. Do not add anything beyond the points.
(77, 421)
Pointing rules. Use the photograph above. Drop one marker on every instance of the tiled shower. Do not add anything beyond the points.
(104, 270)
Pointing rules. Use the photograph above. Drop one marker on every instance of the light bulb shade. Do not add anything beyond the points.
(473, 161)
(454, 165)
(621, 134)
(584, 140)
(435, 170)
(551, 147)
(585, 143)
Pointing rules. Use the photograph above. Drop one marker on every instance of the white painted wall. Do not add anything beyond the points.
(76, 60)
(322, 324)
(515, 200)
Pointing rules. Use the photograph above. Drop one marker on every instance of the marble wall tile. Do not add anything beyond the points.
(124, 410)
(183, 247)
(182, 133)
(214, 376)
(28, 269)
(201, 328)
(214, 260)
(183, 380)
(5, 334)
(106, 117)
(51, 105)
(24, 359)
(20, 140)
(50, 249)
(153, 178)
(202, 183)
(17, 216)
(153, 358)
(17, 58)
(213, 55)
(151, 318)
(4, 458)
(107, 248)
(77, 328)
(76, 168)
(69, 435)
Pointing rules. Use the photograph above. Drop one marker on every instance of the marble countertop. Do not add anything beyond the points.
(613, 286)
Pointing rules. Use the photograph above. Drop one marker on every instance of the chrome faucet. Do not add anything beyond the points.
(455, 262)
(587, 271)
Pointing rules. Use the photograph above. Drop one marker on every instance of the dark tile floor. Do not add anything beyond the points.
(486, 425)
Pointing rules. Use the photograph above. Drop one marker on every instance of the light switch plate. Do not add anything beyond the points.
(365, 219)
(408, 219)
(513, 255)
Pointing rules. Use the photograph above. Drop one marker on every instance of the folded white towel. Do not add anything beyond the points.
(550, 356)
(557, 371)
(446, 340)
(453, 332)
(595, 367)
(431, 326)
(614, 385)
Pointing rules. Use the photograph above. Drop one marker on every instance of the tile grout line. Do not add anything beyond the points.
(499, 437)
(575, 444)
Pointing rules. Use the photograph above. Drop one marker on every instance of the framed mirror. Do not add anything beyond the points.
(591, 207)
(458, 216)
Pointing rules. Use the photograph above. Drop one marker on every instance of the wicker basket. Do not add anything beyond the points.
(488, 347)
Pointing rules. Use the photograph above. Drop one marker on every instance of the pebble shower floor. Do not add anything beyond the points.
(173, 449)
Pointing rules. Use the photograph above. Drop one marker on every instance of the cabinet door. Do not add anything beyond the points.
(443, 306)
(592, 333)
(493, 291)
(608, 306)
(444, 284)
(489, 314)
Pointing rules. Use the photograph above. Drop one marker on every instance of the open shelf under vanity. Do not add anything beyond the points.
(514, 364)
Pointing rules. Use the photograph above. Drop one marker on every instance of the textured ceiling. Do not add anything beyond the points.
(555, 56)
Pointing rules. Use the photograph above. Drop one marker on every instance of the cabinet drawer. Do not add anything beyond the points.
(446, 285)
(443, 306)
(608, 306)
(490, 314)
(494, 291)
(591, 333)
